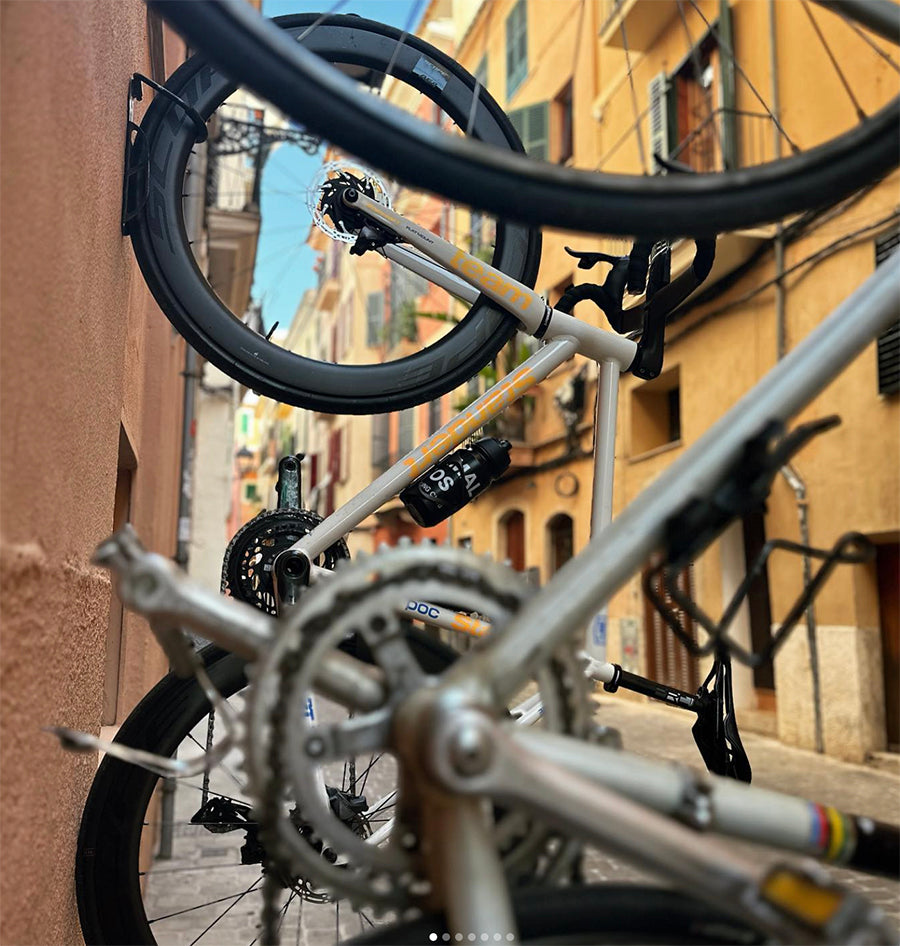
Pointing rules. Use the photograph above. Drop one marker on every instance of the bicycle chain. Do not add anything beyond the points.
(530, 849)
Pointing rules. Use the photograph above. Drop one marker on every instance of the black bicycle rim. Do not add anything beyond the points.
(608, 913)
(169, 268)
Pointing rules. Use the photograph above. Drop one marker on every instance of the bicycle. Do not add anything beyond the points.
(148, 583)
(725, 449)
(307, 550)
(386, 64)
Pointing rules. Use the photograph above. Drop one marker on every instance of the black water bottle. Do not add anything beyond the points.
(447, 486)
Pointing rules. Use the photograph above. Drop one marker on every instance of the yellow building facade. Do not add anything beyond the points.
(607, 86)
(579, 97)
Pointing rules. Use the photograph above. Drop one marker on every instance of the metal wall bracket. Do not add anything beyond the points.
(136, 179)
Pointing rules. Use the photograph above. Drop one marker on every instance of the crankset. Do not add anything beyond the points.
(248, 569)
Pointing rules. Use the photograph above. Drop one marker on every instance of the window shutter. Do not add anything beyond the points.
(381, 442)
(516, 48)
(889, 342)
(658, 94)
(532, 125)
(374, 318)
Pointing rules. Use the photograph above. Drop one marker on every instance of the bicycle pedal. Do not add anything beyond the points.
(836, 914)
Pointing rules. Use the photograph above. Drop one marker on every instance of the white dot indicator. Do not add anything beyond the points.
(433, 937)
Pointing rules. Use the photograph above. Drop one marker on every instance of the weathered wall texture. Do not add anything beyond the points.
(85, 352)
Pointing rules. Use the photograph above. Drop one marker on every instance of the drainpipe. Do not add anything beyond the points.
(799, 487)
(196, 194)
(780, 342)
(795, 481)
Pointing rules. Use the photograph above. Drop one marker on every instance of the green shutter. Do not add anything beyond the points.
(516, 48)
(532, 124)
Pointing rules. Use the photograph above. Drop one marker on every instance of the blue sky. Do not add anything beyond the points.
(284, 263)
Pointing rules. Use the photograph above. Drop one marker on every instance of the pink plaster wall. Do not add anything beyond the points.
(83, 349)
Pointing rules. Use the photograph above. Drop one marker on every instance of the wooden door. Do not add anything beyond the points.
(668, 660)
(888, 564)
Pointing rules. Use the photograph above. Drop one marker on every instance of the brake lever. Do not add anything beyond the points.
(648, 359)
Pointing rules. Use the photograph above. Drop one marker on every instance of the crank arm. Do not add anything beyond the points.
(476, 756)
(152, 586)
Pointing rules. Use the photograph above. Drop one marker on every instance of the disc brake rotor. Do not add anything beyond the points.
(324, 197)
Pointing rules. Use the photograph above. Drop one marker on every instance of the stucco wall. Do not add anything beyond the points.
(84, 352)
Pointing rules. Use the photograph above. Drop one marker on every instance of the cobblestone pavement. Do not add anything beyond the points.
(205, 867)
(664, 733)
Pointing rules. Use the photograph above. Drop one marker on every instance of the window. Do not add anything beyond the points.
(668, 660)
(464, 542)
(656, 413)
(661, 120)
(889, 343)
(406, 287)
(251, 492)
(562, 122)
(516, 48)
(512, 539)
(374, 318)
(560, 541)
(531, 125)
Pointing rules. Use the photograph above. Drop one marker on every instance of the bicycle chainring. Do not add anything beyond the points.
(367, 600)
(247, 567)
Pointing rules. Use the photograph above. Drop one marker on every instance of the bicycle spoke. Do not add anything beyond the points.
(215, 921)
(199, 906)
(860, 114)
(730, 52)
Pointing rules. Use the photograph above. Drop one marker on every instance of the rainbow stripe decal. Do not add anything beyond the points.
(832, 834)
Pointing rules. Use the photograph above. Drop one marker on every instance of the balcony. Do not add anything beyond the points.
(643, 22)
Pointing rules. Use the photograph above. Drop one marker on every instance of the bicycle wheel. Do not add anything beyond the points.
(210, 314)
(539, 192)
(216, 894)
(611, 913)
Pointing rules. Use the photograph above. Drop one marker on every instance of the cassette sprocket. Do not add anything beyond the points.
(287, 753)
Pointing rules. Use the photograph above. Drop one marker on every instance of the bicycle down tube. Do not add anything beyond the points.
(565, 337)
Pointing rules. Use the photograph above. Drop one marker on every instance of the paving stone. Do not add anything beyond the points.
(207, 866)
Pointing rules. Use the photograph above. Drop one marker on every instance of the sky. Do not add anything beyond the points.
(284, 267)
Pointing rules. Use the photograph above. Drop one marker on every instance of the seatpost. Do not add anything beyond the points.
(605, 409)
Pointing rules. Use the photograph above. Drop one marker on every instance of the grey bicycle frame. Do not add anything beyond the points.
(465, 276)
(570, 783)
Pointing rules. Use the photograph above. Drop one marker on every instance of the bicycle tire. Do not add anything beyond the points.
(536, 192)
(107, 880)
(171, 272)
(595, 915)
